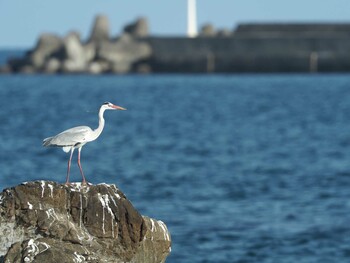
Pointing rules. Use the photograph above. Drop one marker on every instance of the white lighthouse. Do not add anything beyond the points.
(191, 18)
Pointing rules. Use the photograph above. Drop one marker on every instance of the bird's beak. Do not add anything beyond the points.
(116, 107)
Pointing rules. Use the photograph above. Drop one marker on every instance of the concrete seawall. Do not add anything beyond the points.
(250, 54)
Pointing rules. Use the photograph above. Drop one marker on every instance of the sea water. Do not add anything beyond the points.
(241, 168)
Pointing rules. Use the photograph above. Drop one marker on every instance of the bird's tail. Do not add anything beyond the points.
(47, 141)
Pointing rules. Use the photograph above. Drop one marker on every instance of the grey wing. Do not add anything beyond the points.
(70, 137)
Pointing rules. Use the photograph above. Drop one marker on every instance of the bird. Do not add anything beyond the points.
(77, 137)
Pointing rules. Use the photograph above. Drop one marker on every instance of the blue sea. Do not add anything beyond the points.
(241, 168)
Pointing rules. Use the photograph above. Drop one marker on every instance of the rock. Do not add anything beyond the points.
(53, 65)
(100, 30)
(152, 248)
(138, 28)
(15, 64)
(123, 53)
(36, 60)
(97, 67)
(46, 46)
(207, 30)
(48, 222)
(27, 69)
(89, 51)
(75, 59)
(53, 54)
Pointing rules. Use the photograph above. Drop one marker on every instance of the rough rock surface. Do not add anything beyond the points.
(45, 221)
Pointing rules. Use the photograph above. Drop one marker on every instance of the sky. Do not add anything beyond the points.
(22, 21)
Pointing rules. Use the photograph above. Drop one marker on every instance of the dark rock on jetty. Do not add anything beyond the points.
(49, 222)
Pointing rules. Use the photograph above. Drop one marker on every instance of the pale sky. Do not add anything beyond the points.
(22, 21)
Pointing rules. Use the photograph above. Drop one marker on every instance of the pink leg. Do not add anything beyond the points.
(81, 169)
(69, 162)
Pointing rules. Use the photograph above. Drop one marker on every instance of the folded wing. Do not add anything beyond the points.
(69, 138)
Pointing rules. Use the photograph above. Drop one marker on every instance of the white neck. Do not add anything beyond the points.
(101, 124)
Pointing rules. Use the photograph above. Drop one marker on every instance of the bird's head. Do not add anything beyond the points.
(111, 106)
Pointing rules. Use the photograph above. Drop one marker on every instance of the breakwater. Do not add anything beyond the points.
(261, 48)
(250, 54)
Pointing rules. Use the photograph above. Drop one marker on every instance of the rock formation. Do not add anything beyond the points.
(48, 222)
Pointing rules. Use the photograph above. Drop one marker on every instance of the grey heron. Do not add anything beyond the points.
(77, 137)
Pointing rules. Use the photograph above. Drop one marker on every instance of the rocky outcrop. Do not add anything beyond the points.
(49, 222)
